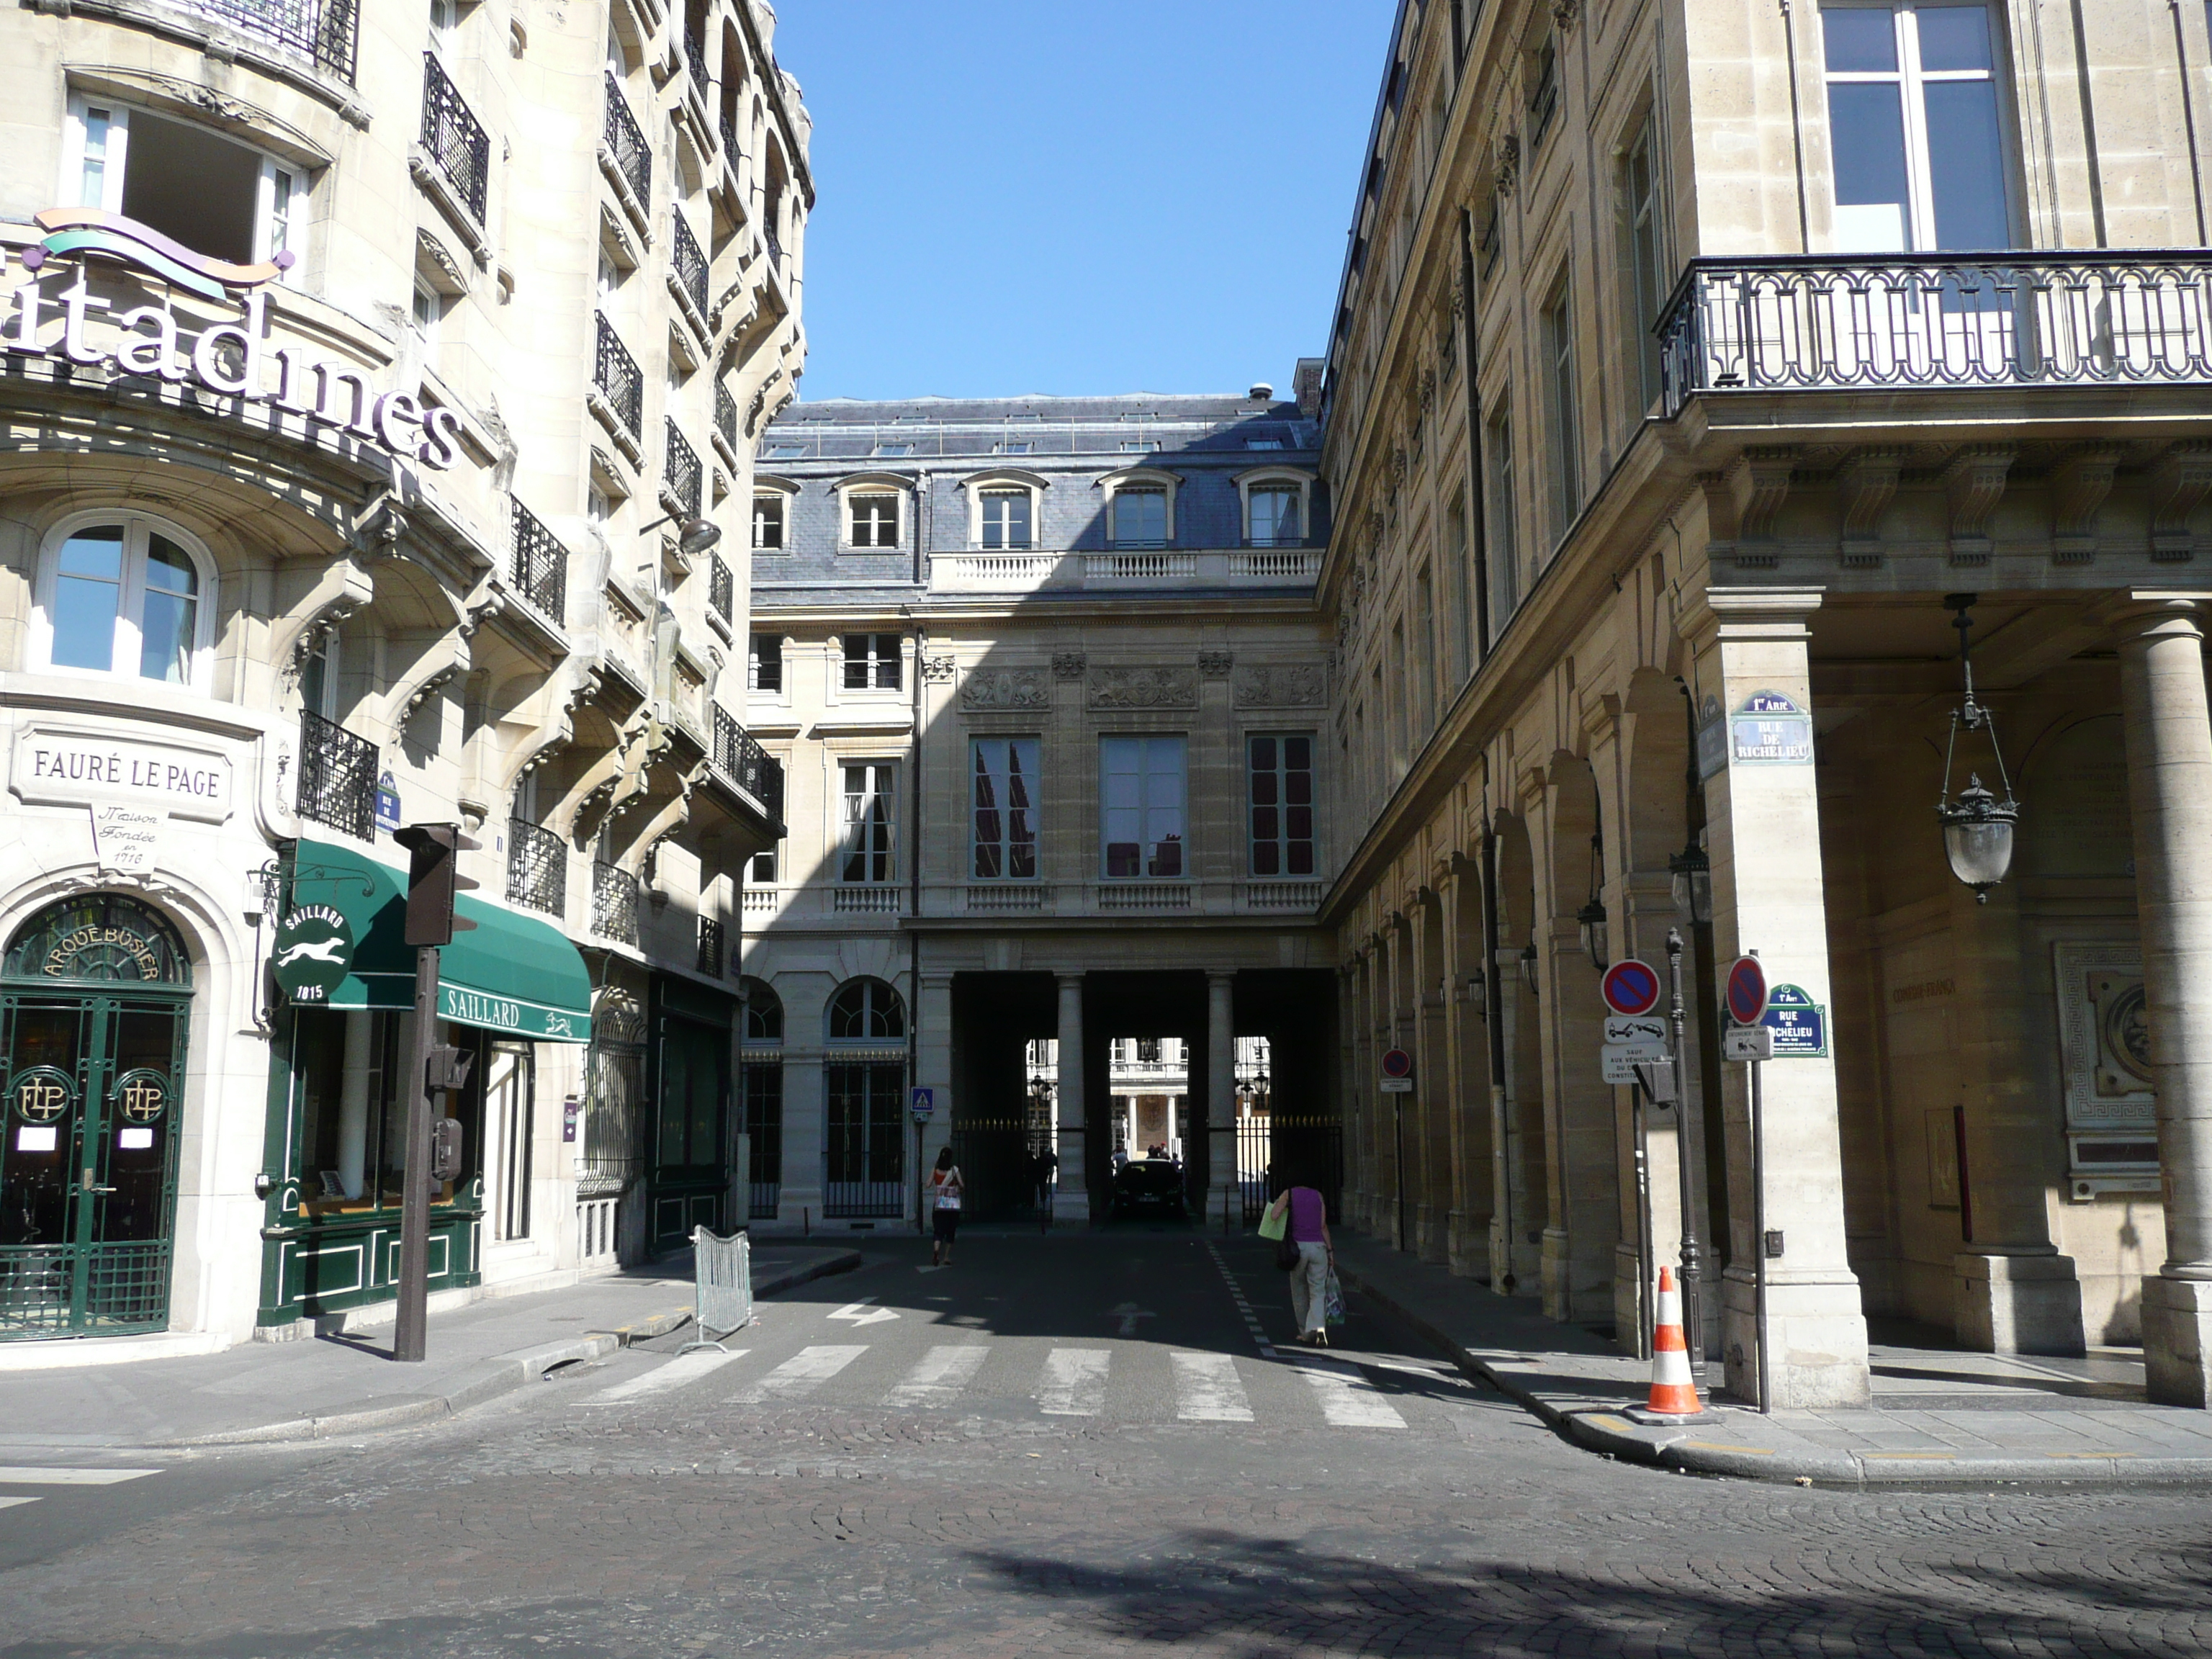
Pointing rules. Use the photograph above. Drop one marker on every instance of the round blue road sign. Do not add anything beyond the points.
(1631, 987)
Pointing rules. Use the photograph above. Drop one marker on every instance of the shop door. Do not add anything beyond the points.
(88, 1169)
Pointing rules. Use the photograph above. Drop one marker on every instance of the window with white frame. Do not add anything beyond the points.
(870, 822)
(196, 186)
(319, 689)
(871, 662)
(1274, 516)
(760, 869)
(1006, 519)
(126, 595)
(1646, 254)
(765, 662)
(1281, 804)
(768, 521)
(1914, 123)
(872, 518)
(1498, 500)
(1141, 795)
(1003, 795)
(1138, 517)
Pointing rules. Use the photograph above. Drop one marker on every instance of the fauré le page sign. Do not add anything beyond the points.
(52, 768)
(53, 317)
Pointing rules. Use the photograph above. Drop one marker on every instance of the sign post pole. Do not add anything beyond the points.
(1689, 1155)
(1397, 1082)
(1752, 1041)
(410, 1334)
(1759, 1232)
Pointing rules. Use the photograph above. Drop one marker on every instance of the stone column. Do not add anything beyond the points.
(2170, 796)
(1466, 1077)
(1401, 1137)
(933, 1061)
(1221, 1198)
(1763, 832)
(1071, 1199)
(1427, 1202)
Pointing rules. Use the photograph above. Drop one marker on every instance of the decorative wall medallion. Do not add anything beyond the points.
(1005, 688)
(1144, 688)
(937, 669)
(1215, 665)
(1068, 665)
(1280, 685)
(42, 1094)
(2104, 1035)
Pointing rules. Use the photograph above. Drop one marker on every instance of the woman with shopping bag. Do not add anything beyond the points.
(1300, 1220)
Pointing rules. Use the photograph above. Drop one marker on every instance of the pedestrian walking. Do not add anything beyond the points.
(1308, 1213)
(946, 1189)
(1042, 1168)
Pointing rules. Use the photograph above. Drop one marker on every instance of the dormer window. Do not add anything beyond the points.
(1140, 507)
(1278, 506)
(875, 517)
(1006, 519)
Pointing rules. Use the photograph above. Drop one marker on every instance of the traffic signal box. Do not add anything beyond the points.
(433, 878)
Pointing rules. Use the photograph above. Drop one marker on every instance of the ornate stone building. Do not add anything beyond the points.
(376, 377)
(1695, 365)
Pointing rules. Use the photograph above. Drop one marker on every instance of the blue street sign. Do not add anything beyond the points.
(1799, 1024)
(387, 803)
(923, 1103)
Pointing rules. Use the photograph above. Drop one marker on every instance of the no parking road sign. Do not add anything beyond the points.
(1747, 991)
(1397, 1073)
(1631, 987)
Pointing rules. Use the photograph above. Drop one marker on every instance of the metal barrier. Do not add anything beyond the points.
(722, 1269)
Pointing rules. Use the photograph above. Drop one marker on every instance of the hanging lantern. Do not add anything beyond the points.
(1977, 826)
(1692, 873)
(1590, 919)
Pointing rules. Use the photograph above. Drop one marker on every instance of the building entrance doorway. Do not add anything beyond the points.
(95, 1003)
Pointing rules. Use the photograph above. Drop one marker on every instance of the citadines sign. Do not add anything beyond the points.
(231, 358)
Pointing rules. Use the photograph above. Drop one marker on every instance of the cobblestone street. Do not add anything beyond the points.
(851, 1484)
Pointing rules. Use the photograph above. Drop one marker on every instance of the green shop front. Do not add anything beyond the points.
(338, 1082)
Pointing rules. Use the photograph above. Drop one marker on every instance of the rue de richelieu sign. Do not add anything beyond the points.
(230, 358)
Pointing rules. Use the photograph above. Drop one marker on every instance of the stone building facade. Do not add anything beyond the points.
(1696, 365)
(366, 369)
(1048, 686)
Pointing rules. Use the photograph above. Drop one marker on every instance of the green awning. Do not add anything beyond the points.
(513, 973)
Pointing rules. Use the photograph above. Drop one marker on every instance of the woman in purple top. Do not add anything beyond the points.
(1309, 1231)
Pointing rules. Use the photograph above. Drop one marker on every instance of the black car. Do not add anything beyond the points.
(1148, 1186)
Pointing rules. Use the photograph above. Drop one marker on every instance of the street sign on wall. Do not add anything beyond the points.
(1800, 1024)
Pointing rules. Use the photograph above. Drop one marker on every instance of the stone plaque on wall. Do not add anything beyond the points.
(2104, 1036)
(1280, 685)
(1005, 688)
(1144, 688)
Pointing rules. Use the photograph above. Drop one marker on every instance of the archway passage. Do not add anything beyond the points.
(95, 998)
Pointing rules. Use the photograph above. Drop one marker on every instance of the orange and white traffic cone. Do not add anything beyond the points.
(1673, 1393)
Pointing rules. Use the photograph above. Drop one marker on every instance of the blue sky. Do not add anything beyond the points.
(1076, 196)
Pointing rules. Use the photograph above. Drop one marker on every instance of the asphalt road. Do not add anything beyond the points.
(1071, 1445)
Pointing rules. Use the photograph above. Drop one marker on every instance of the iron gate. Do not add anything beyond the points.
(1276, 1149)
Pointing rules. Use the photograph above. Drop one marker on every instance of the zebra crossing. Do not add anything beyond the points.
(1063, 1381)
(32, 1475)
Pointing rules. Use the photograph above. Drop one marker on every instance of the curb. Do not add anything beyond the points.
(490, 1379)
(1602, 1429)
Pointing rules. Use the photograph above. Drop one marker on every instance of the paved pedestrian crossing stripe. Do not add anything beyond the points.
(804, 1372)
(32, 1476)
(1348, 1399)
(1207, 1388)
(1074, 1382)
(684, 1368)
(938, 1380)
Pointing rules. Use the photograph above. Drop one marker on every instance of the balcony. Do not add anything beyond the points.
(874, 899)
(541, 566)
(536, 868)
(325, 31)
(626, 146)
(1119, 570)
(753, 769)
(614, 902)
(1857, 322)
(617, 378)
(338, 777)
(725, 420)
(455, 139)
(695, 58)
(687, 268)
(1144, 896)
(681, 479)
(713, 953)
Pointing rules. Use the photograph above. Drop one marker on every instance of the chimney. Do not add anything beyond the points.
(1306, 385)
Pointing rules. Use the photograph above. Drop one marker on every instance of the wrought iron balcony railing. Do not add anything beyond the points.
(721, 588)
(758, 773)
(541, 565)
(694, 56)
(690, 263)
(711, 949)
(619, 380)
(726, 416)
(455, 139)
(682, 477)
(626, 141)
(614, 902)
(328, 31)
(338, 777)
(729, 126)
(536, 868)
(1848, 322)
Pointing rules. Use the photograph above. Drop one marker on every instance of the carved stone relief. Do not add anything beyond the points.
(1005, 688)
(1280, 685)
(1144, 688)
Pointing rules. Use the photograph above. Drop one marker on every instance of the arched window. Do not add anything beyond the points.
(127, 595)
(763, 1012)
(97, 936)
(865, 1011)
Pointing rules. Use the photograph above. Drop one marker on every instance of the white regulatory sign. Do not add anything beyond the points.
(1743, 1042)
(1636, 1028)
(1619, 1060)
(1396, 1085)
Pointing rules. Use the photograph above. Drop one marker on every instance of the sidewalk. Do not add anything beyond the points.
(341, 1385)
(1940, 1415)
